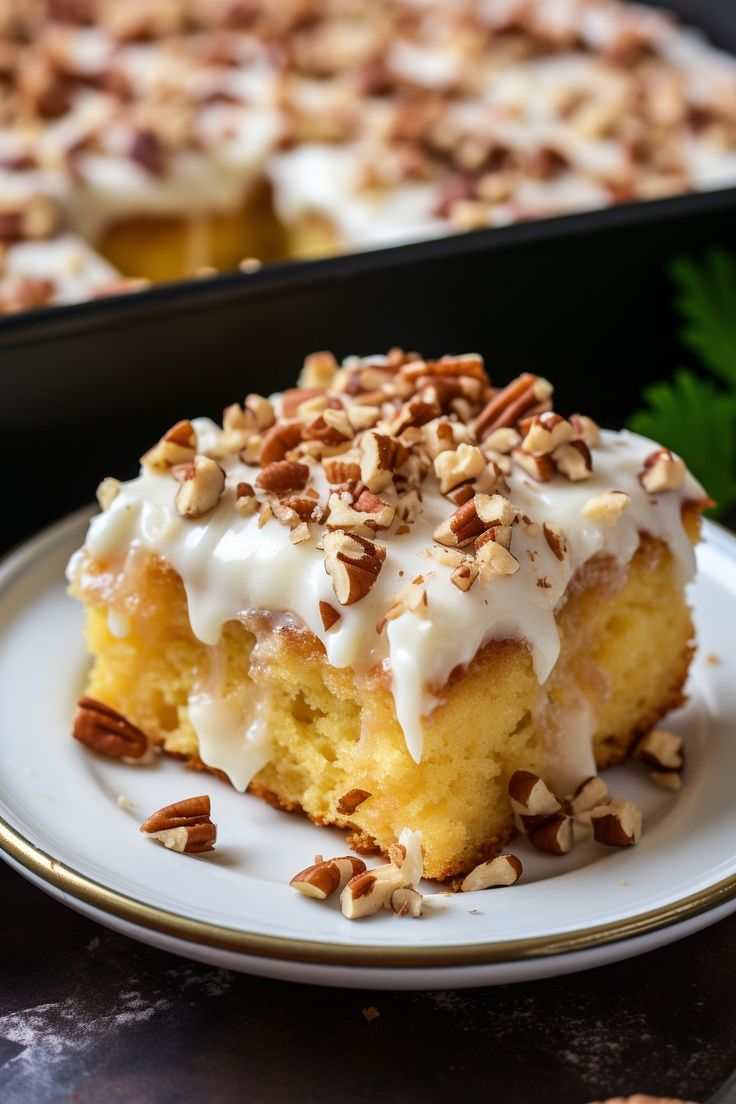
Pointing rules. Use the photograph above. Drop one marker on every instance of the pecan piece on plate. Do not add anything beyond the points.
(184, 826)
(103, 729)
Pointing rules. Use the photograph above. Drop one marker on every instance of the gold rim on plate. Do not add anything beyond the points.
(70, 882)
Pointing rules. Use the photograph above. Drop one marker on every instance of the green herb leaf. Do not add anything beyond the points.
(707, 301)
(698, 421)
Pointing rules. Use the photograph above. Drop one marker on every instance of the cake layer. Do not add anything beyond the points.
(626, 640)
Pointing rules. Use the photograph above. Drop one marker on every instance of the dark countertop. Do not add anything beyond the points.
(90, 1016)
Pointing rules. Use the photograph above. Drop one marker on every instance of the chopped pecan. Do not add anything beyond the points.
(410, 599)
(184, 826)
(350, 801)
(381, 456)
(661, 750)
(147, 150)
(278, 440)
(493, 556)
(504, 870)
(246, 502)
(306, 506)
(329, 615)
(555, 538)
(177, 446)
(353, 564)
(469, 364)
(26, 217)
(294, 397)
(368, 893)
(538, 465)
(531, 800)
(327, 876)
(573, 460)
(449, 389)
(409, 506)
(407, 901)
(441, 434)
(591, 793)
(300, 533)
(202, 484)
(107, 492)
(331, 427)
(318, 371)
(617, 824)
(607, 507)
(261, 410)
(586, 430)
(545, 432)
(662, 472)
(416, 412)
(508, 405)
(360, 511)
(554, 836)
(503, 440)
(457, 466)
(283, 475)
(464, 575)
(103, 729)
(473, 518)
(363, 417)
(343, 468)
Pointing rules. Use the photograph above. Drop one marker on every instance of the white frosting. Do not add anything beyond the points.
(232, 737)
(230, 567)
(324, 179)
(76, 270)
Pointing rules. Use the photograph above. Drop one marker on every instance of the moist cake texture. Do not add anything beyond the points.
(378, 595)
(185, 133)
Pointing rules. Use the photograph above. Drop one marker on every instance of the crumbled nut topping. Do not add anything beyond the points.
(177, 446)
(607, 508)
(202, 484)
(662, 472)
(410, 599)
(353, 563)
(330, 616)
(342, 462)
(107, 492)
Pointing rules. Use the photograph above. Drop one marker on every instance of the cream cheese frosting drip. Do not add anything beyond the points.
(233, 565)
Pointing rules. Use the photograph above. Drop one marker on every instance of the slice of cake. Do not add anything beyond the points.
(377, 596)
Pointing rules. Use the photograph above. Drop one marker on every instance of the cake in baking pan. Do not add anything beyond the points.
(379, 595)
(173, 136)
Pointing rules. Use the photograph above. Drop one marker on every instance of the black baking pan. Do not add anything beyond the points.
(583, 299)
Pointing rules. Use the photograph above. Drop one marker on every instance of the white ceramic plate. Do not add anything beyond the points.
(69, 822)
